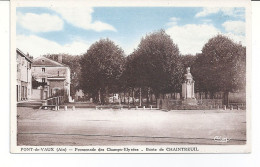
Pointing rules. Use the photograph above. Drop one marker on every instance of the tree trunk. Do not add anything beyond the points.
(128, 97)
(102, 97)
(133, 94)
(226, 100)
(148, 97)
(99, 96)
(151, 98)
(140, 96)
(113, 98)
(211, 95)
(156, 99)
(124, 97)
(119, 98)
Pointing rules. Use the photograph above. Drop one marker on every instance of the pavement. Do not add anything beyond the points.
(30, 103)
(110, 127)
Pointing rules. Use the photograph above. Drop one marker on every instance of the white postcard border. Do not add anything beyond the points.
(172, 148)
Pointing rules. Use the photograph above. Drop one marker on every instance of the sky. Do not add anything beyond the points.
(41, 30)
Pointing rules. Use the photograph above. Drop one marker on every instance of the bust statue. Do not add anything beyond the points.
(188, 85)
(188, 76)
(188, 70)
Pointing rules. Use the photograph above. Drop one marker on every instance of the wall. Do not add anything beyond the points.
(56, 84)
(24, 77)
(202, 104)
(36, 94)
(50, 72)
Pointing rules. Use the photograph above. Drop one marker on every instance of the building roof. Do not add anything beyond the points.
(46, 62)
(23, 55)
(56, 78)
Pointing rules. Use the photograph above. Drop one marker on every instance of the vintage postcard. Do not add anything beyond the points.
(130, 76)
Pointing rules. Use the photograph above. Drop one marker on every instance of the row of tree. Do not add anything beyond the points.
(156, 67)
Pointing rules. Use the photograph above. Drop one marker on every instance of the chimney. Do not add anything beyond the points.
(60, 58)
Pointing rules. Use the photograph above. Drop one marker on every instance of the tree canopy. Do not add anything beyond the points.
(221, 66)
(188, 60)
(156, 63)
(101, 69)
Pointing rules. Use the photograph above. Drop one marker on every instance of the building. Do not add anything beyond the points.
(51, 77)
(24, 77)
(79, 95)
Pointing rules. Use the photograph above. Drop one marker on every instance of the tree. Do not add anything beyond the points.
(36, 84)
(129, 76)
(101, 69)
(188, 60)
(222, 66)
(156, 64)
(200, 72)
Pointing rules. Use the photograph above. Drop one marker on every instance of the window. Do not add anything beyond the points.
(42, 61)
(23, 60)
(43, 80)
(43, 70)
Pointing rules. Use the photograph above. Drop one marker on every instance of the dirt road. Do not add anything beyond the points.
(84, 127)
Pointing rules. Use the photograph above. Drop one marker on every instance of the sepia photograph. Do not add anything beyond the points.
(128, 78)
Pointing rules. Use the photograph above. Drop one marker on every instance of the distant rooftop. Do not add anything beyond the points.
(44, 61)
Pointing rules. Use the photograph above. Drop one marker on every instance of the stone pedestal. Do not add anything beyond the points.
(191, 102)
(188, 90)
(188, 94)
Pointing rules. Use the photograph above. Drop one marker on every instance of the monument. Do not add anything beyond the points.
(188, 94)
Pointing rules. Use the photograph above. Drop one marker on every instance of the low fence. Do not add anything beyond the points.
(210, 102)
(55, 101)
(238, 105)
(168, 103)
(177, 104)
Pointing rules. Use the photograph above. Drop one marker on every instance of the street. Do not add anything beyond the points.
(84, 127)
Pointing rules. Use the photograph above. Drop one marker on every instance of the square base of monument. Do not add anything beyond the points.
(191, 102)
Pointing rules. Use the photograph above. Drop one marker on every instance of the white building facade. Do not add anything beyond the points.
(24, 76)
(53, 76)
